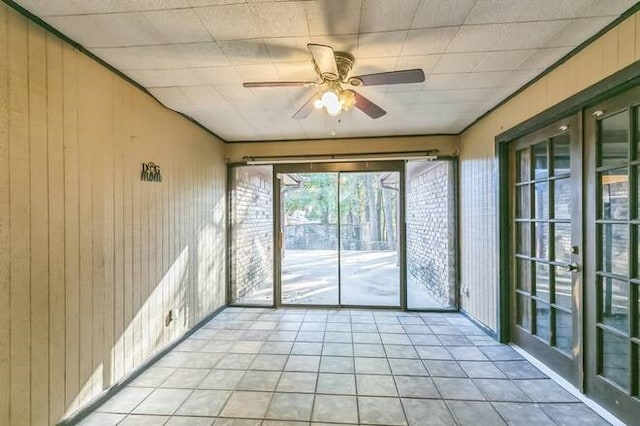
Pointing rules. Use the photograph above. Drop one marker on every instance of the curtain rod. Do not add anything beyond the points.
(387, 156)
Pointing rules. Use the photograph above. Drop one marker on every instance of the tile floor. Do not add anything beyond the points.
(291, 367)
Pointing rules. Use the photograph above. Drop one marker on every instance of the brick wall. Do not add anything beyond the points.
(251, 229)
(431, 229)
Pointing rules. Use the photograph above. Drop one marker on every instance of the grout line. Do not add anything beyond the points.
(601, 411)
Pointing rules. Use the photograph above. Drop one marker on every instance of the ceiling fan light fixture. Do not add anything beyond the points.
(347, 99)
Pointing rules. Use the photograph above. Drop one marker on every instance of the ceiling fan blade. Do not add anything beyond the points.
(368, 107)
(305, 109)
(325, 60)
(392, 77)
(277, 83)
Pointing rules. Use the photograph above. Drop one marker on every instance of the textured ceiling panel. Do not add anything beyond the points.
(194, 55)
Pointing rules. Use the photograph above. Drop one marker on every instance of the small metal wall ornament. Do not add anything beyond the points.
(150, 172)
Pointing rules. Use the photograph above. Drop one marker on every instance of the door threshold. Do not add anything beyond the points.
(566, 385)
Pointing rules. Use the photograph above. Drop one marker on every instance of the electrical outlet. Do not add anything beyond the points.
(170, 317)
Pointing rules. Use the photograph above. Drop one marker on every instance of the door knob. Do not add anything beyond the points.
(572, 267)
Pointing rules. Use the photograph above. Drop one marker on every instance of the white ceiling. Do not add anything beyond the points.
(193, 55)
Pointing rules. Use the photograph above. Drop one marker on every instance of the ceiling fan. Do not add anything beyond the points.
(333, 70)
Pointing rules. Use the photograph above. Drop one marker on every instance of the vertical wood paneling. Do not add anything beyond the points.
(20, 220)
(39, 226)
(119, 135)
(71, 229)
(57, 259)
(5, 233)
(87, 249)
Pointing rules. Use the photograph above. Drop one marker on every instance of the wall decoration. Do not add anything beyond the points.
(151, 172)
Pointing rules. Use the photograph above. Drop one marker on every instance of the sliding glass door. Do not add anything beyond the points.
(369, 243)
(309, 272)
(339, 234)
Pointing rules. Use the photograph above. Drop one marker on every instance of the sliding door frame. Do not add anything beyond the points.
(346, 167)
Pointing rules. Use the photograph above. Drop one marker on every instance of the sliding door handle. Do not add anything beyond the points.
(572, 267)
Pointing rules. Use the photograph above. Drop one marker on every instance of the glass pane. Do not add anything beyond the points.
(369, 257)
(430, 231)
(523, 202)
(523, 238)
(561, 155)
(636, 287)
(540, 165)
(523, 274)
(523, 161)
(562, 239)
(637, 251)
(614, 297)
(614, 187)
(541, 200)
(637, 133)
(615, 248)
(542, 280)
(563, 288)
(310, 232)
(562, 198)
(523, 316)
(251, 243)
(614, 139)
(543, 322)
(637, 185)
(542, 240)
(564, 331)
(615, 358)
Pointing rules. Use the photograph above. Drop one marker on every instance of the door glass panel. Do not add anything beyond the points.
(541, 199)
(540, 163)
(614, 139)
(561, 155)
(523, 238)
(369, 256)
(543, 322)
(615, 248)
(637, 192)
(563, 288)
(523, 161)
(309, 255)
(615, 358)
(523, 201)
(523, 317)
(564, 330)
(542, 240)
(637, 132)
(523, 274)
(430, 234)
(614, 187)
(542, 280)
(562, 240)
(614, 309)
(562, 198)
(251, 242)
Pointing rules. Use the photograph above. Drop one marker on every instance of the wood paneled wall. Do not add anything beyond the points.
(91, 258)
(611, 52)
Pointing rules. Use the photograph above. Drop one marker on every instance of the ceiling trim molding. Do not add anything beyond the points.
(633, 9)
(36, 20)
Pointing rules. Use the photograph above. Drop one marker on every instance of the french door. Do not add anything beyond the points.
(339, 234)
(612, 272)
(546, 245)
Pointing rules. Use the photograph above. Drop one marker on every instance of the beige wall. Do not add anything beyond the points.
(446, 145)
(613, 51)
(91, 258)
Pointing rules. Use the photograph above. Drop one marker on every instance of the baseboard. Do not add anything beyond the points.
(90, 407)
(480, 325)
